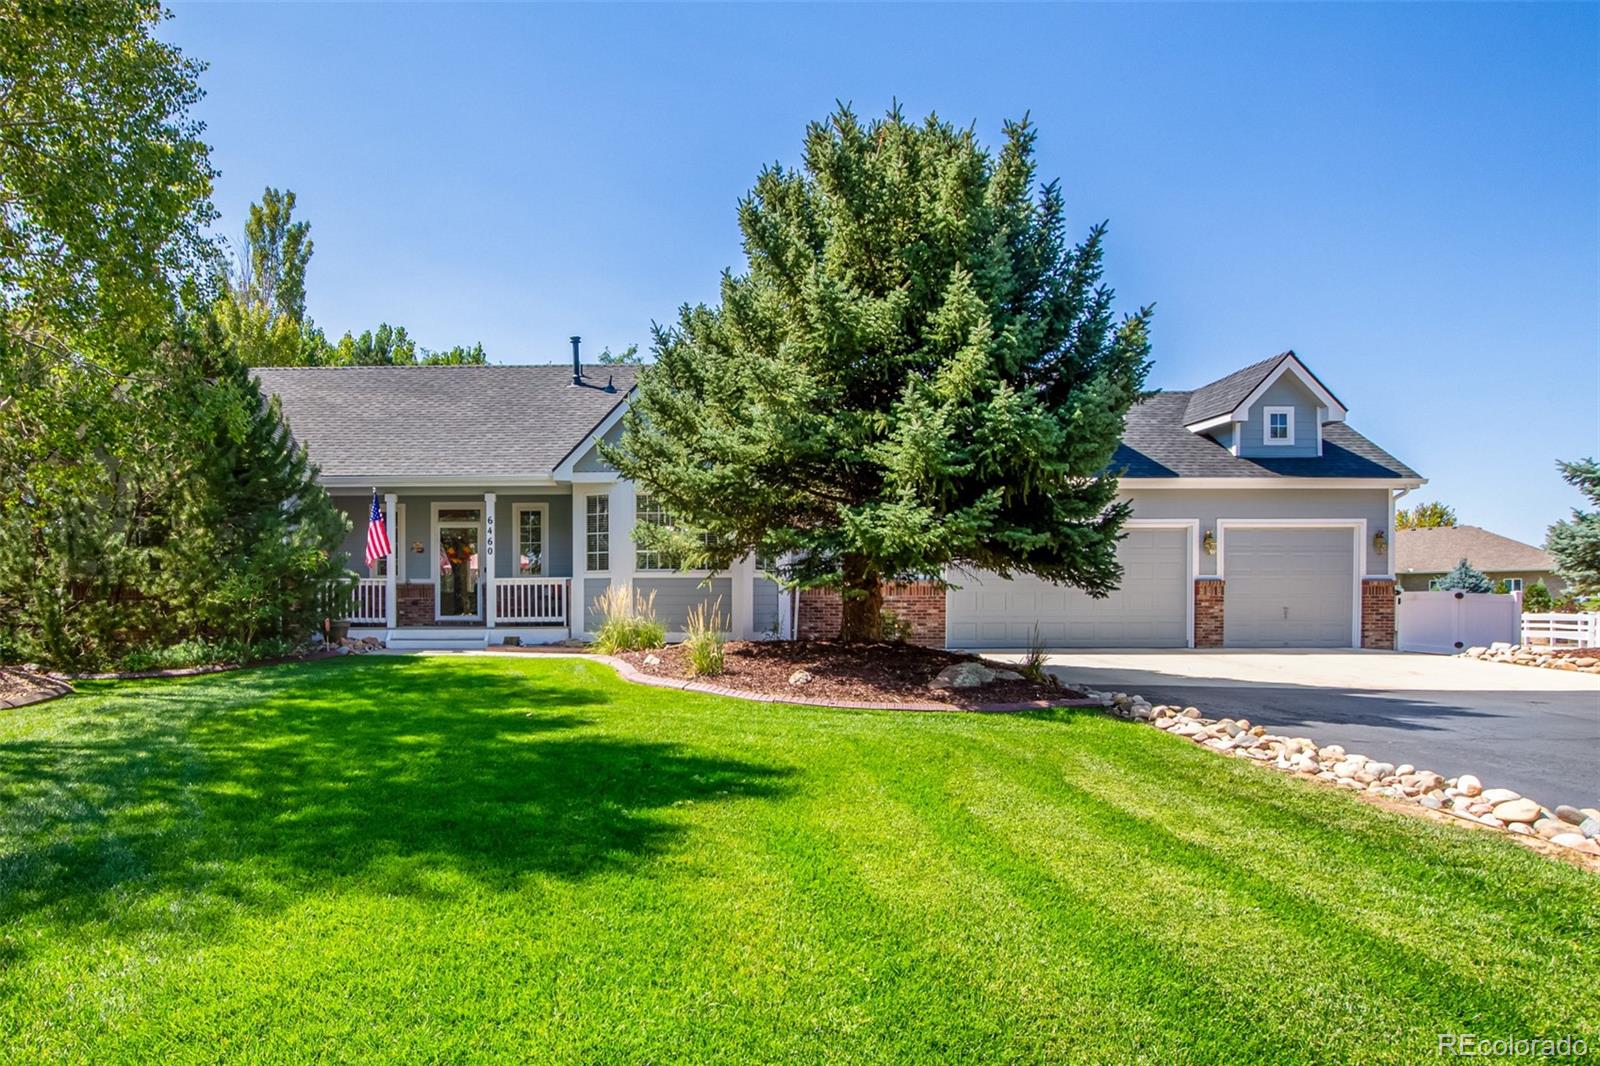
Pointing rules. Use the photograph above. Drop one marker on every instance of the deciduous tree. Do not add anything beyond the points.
(105, 183)
(1430, 515)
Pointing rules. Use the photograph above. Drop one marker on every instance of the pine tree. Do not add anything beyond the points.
(1465, 579)
(255, 541)
(1576, 542)
(916, 371)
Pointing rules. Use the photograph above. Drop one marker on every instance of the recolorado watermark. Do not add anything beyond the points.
(1471, 1046)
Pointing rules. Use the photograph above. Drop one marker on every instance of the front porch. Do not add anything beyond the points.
(471, 565)
(530, 610)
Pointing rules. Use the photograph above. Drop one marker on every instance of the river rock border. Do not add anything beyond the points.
(1463, 797)
(1586, 660)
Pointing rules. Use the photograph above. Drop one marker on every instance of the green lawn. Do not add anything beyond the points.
(469, 858)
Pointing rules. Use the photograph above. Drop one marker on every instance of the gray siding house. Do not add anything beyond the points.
(1260, 518)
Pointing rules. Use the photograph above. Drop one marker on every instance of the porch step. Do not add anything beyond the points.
(438, 642)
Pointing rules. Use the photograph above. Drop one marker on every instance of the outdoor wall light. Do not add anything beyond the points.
(1380, 543)
(416, 546)
(1209, 543)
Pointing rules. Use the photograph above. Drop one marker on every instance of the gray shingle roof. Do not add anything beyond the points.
(1156, 443)
(1225, 394)
(1436, 551)
(389, 423)
(394, 423)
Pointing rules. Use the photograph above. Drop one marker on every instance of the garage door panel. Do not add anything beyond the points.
(1288, 588)
(1150, 610)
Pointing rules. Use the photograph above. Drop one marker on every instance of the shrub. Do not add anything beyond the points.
(896, 630)
(1032, 664)
(629, 622)
(1536, 598)
(704, 644)
(204, 653)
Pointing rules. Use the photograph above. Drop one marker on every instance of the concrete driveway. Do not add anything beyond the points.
(1537, 731)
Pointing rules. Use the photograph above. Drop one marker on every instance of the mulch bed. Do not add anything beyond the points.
(21, 687)
(872, 674)
(1567, 653)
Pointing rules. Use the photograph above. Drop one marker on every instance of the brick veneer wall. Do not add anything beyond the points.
(1377, 613)
(921, 604)
(413, 604)
(1208, 612)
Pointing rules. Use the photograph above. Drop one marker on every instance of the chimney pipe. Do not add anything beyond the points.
(577, 367)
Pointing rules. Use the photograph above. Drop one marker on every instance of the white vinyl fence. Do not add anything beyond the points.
(1562, 630)
(1448, 622)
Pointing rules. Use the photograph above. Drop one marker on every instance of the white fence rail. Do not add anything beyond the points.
(368, 603)
(532, 600)
(1448, 622)
(1571, 630)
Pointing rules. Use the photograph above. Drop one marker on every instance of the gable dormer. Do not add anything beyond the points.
(1273, 409)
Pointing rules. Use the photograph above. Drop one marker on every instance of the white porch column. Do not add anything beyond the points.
(489, 605)
(577, 609)
(624, 513)
(391, 609)
(742, 611)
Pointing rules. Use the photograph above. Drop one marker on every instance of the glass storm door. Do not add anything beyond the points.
(457, 579)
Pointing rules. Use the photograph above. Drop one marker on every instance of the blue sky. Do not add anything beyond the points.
(1408, 196)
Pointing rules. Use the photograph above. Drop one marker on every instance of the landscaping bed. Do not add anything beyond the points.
(874, 674)
(20, 687)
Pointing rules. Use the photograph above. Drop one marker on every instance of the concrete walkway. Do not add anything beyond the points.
(1536, 731)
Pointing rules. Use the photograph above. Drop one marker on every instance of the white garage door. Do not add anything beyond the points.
(1288, 588)
(1150, 610)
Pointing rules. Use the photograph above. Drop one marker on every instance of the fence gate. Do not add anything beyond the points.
(1447, 622)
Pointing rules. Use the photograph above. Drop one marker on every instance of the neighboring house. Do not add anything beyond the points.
(1260, 519)
(1423, 556)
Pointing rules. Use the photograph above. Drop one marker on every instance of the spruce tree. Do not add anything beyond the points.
(1465, 579)
(1576, 542)
(254, 544)
(916, 371)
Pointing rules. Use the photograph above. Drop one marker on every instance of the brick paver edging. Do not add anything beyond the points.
(629, 672)
(626, 670)
(49, 690)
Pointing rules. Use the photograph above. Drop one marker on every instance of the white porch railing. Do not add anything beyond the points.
(531, 600)
(368, 603)
(1576, 630)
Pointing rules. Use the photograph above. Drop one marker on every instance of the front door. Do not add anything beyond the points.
(457, 533)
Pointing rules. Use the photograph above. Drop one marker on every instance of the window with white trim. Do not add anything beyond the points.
(597, 531)
(1513, 584)
(650, 512)
(1280, 425)
(530, 541)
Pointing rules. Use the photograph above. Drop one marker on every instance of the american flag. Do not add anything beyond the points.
(377, 533)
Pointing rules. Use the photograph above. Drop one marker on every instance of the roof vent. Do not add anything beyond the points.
(611, 383)
(577, 366)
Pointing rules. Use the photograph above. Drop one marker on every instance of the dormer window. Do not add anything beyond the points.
(1280, 425)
